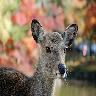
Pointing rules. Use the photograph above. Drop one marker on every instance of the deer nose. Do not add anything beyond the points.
(61, 68)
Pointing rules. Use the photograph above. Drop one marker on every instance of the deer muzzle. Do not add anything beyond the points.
(62, 70)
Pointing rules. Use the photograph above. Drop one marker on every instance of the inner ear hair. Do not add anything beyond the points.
(37, 30)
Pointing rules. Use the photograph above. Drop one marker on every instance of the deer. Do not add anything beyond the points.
(51, 64)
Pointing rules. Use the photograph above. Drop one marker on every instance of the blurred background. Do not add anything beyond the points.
(19, 50)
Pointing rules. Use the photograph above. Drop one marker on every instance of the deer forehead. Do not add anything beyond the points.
(53, 38)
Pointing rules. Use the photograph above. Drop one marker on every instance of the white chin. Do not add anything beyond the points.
(65, 75)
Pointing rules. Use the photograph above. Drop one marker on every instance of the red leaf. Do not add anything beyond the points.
(19, 18)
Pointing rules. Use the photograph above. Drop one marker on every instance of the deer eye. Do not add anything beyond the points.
(48, 50)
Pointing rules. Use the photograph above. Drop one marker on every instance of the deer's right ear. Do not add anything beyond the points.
(37, 30)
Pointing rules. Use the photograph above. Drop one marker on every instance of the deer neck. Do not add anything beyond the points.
(43, 85)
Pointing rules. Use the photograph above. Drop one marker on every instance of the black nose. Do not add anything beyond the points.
(61, 68)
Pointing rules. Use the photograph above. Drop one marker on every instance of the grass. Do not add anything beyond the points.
(76, 90)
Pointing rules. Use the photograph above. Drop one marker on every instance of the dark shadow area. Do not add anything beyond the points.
(84, 75)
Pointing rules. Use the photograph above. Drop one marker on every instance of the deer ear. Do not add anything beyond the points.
(37, 30)
(70, 34)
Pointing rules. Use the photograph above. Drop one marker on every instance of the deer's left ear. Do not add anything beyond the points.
(70, 34)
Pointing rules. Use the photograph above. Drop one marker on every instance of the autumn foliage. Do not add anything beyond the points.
(17, 47)
(90, 20)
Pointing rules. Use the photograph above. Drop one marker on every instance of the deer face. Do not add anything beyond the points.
(53, 46)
